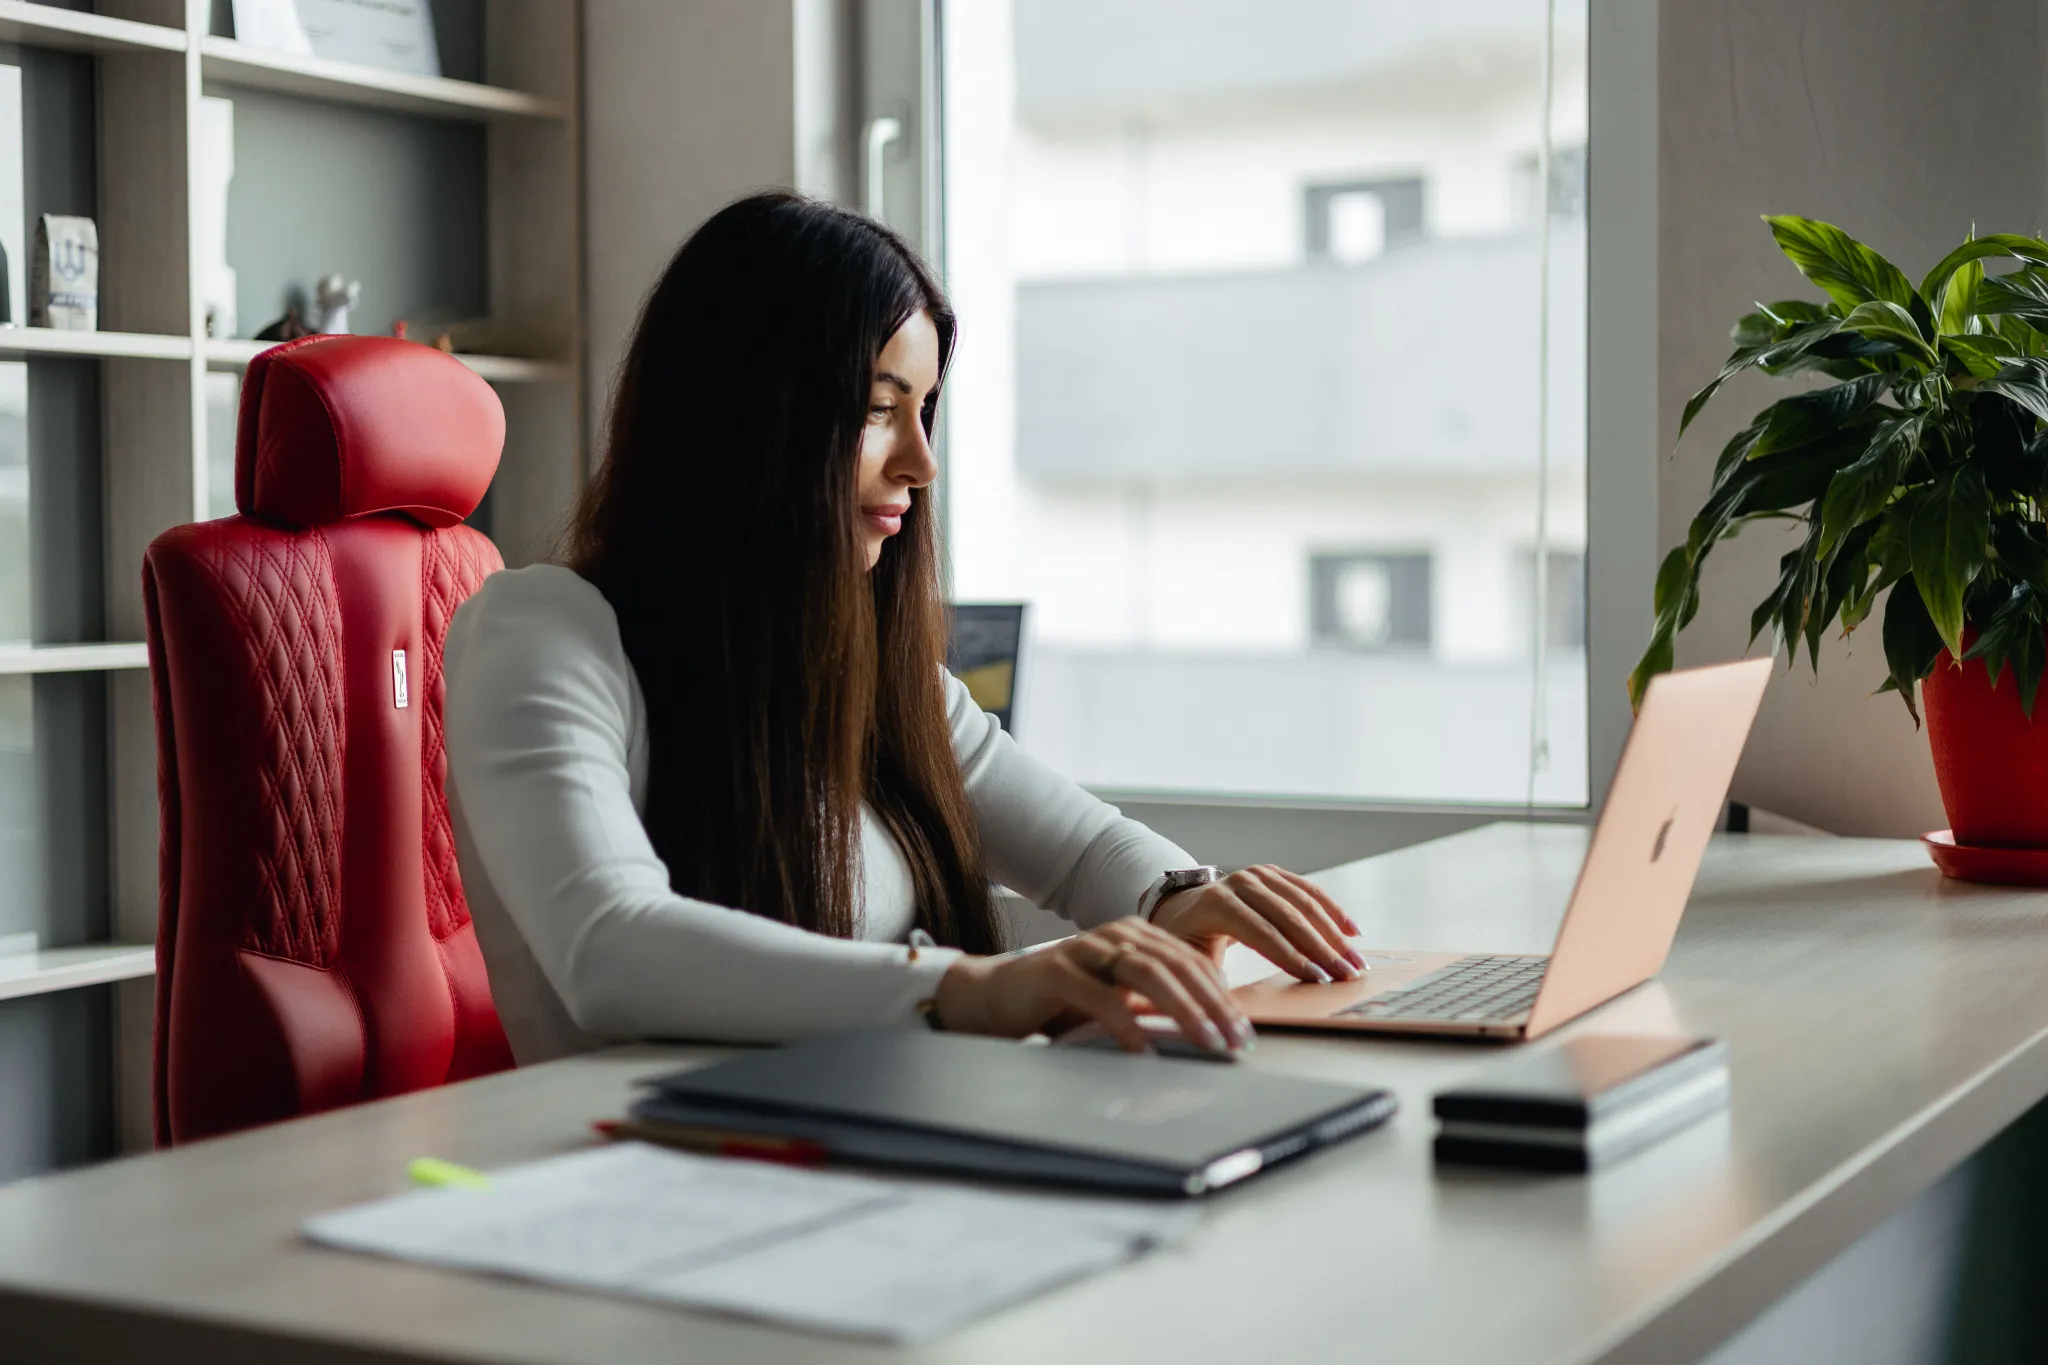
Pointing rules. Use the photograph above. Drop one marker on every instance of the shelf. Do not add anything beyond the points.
(48, 26)
(499, 369)
(18, 659)
(21, 341)
(63, 969)
(228, 62)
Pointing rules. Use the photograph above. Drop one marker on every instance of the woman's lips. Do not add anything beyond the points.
(887, 520)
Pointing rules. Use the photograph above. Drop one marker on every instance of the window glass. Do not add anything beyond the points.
(1257, 397)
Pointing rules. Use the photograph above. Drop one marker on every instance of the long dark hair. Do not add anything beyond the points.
(785, 683)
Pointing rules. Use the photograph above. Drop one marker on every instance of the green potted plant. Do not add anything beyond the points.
(1919, 476)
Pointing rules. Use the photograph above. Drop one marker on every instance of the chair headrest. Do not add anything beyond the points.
(333, 427)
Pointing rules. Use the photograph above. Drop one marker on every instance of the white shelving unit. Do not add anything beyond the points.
(72, 31)
(18, 342)
(18, 659)
(227, 62)
(63, 969)
(155, 59)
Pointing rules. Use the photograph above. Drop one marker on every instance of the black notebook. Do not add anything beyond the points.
(964, 1105)
(1582, 1103)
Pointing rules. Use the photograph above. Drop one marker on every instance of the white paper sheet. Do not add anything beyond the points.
(844, 1254)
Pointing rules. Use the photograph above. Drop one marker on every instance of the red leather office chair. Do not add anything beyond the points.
(313, 945)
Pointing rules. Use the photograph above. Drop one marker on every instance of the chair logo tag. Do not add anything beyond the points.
(398, 678)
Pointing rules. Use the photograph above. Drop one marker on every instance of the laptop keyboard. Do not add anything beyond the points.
(1472, 990)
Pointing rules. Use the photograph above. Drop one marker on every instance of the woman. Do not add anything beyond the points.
(708, 776)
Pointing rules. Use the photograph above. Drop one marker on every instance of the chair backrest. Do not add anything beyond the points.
(313, 945)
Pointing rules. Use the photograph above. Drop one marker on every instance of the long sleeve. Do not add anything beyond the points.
(542, 731)
(1043, 836)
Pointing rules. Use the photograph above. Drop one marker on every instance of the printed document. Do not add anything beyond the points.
(851, 1255)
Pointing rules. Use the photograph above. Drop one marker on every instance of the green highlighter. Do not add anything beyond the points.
(431, 1170)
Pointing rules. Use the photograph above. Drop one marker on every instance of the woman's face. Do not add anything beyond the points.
(895, 456)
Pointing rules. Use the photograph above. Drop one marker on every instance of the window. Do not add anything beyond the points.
(1353, 223)
(1269, 379)
(1369, 601)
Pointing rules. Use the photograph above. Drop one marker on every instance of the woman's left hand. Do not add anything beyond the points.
(1282, 916)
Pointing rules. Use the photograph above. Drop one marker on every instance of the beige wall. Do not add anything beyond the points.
(688, 104)
(1904, 122)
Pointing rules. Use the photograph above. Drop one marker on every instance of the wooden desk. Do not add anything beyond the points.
(1883, 1025)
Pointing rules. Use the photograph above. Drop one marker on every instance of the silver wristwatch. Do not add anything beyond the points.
(1170, 882)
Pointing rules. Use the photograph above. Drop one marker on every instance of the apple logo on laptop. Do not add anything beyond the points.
(1663, 833)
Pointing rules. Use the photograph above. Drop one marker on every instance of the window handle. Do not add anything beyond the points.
(881, 134)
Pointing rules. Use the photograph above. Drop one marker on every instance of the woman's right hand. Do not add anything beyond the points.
(1094, 976)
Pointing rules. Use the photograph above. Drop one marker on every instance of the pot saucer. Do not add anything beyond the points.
(1979, 863)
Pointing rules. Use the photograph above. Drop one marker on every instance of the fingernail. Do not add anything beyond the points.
(1213, 1036)
(1357, 958)
(1345, 971)
(1242, 1030)
(1318, 974)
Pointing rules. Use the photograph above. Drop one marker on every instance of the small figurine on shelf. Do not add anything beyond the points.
(290, 327)
(334, 297)
(445, 344)
(398, 328)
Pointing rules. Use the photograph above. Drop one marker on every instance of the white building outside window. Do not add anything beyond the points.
(1246, 399)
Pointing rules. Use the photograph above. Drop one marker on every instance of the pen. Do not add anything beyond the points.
(783, 1151)
(431, 1170)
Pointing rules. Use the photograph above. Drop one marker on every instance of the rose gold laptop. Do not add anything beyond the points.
(1639, 869)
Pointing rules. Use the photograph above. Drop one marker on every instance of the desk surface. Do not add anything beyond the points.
(1883, 1024)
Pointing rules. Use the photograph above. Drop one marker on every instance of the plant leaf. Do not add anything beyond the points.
(1979, 249)
(2017, 333)
(2022, 552)
(2013, 633)
(2025, 382)
(1957, 302)
(1849, 271)
(2002, 442)
(2022, 294)
(1883, 320)
(2029, 655)
(1677, 587)
(1889, 553)
(1842, 573)
(1861, 490)
(1911, 644)
(1950, 537)
(2001, 629)
(1981, 355)
(1785, 350)
(1807, 417)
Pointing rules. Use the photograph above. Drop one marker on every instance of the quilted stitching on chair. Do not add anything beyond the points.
(453, 564)
(281, 589)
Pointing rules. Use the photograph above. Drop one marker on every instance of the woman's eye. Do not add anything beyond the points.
(880, 412)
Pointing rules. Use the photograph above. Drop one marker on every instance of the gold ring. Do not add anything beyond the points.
(1106, 969)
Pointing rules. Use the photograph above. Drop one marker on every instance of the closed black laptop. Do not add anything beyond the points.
(981, 1106)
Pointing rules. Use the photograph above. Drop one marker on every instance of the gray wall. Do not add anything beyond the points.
(1905, 123)
(686, 106)
(394, 201)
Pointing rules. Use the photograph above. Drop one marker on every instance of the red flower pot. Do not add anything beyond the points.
(1989, 758)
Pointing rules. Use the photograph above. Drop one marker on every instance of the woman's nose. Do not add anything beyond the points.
(916, 465)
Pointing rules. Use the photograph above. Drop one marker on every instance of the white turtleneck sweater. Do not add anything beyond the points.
(584, 940)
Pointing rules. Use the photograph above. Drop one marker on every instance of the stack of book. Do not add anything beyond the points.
(1583, 1104)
